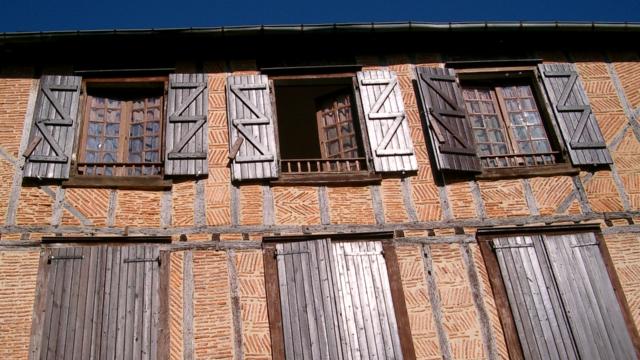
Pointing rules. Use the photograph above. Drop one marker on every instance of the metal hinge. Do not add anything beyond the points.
(138, 260)
(290, 253)
(55, 258)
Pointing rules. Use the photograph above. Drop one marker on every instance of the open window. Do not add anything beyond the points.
(108, 131)
(510, 121)
(317, 126)
(558, 296)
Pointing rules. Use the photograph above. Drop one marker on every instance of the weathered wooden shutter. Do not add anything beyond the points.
(366, 311)
(307, 299)
(52, 136)
(577, 123)
(536, 307)
(252, 144)
(186, 125)
(386, 121)
(450, 132)
(588, 296)
(101, 302)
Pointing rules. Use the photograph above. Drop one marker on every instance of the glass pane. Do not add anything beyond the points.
(111, 144)
(468, 93)
(113, 103)
(493, 122)
(135, 158)
(151, 142)
(109, 157)
(108, 171)
(136, 130)
(496, 136)
(541, 146)
(346, 128)
(91, 156)
(488, 107)
(476, 121)
(481, 136)
(333, 147)
(93, 143)
(153, 127)
(484, 94)
(151, 156)
(95, 128)
(525, 147)
(512, 105)
(137, 116)
(97, 115)
(521, 133)
(329, 118)
(525, 91)
(527, 104)
(138, 104)
(475, 107)
(348, 142)
(332, 133)
(500, 149)
(537, 132)
(113, 116)
(153, 101)
(532, 118)
(344, 114)
(97, 101)
(516, 119)
(135, 145)
(113, 129)
(153, 114)
(484, 149)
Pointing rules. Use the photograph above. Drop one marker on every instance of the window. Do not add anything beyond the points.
(508, 127)
(509, 121)
(318, 126)
(561, 301)
(122, 129)
(335, 300)
(100, 302)
(330, 126)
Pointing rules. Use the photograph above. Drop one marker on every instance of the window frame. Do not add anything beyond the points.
(485, 237)
(272, 287)
(147, 182)
(362, 176)
(493, 77)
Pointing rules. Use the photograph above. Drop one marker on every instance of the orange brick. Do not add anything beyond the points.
(14, 96)
(251, 205)
(35, 206)
(138, 208)
(503, 198)
(628, 70)
(296, 205)
(602, 193)
(625, 254)
(461, 200)
(176, 304)
(183, 198)
(549, 192)
(6, 180)
(350, 205)
(92, 203)
(394, 210)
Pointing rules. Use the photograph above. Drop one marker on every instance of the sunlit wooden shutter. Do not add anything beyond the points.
(580, 130)
(48, 154)
(449, 129)
(386, 121)
(252, 144)
(308, 300)
(588, 296)
(186, 136)
(367, 317)
(537, 310)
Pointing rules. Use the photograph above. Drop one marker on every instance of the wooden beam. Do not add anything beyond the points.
(272, 289)
(37, 319)
(236, 311)
(187, 306)
(436, 304)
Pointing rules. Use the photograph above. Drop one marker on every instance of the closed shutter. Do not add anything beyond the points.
(386, 121)
(186, 125)
(450, 133)
(542, 326)
(101, 302)
(580, 130)
(52, 136)
(588, 296)
(307, 298)
(252, 141)
(366, 310)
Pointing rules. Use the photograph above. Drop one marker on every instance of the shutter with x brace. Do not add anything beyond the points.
(386, 121)
(186, 125)
(580, 130)
(449, 129)
(48, 154)
(252, 141)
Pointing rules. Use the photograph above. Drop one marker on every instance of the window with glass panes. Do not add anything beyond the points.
(335, 121)
(506, 121)
(122, 132)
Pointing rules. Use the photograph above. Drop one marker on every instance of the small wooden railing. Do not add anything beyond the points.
(121, 169)
(519, 160)
(323, 166)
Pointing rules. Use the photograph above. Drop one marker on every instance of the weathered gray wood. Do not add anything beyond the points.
(236, 311)
(268, 207)
(188, 292)
(186, 138)
(407, 199)
(200, 204)
(323, 203)
(436, 303)
(376, 202)
(450, 134)
(55, 121)
(593, 310)
(251, 118)
(386, 121)
(580, 131)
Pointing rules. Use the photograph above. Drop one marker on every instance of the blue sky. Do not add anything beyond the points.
(40, 15)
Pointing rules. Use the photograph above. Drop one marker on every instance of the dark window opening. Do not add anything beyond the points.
(318, 126)
(122, 129)
(509, 122)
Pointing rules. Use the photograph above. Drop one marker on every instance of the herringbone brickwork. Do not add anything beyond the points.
(602, 193)
(251, 205)
(627, 66)
(414, 285)
(459, 313)
(298, 205)
(503, 198)
(183, 198)
(213, 330)
(253, 301)
(138, 208)
(92, 203)
(625, 253)
(14, 95)
(35, 206)
(394, 211)
(176, 306)
(350, 205)
(7, 172)
(628, 166)
(461, 200)
(18, 271)
(549, 192)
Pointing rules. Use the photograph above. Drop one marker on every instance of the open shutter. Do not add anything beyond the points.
(307, 298)
(367, 316)
(588, 296)
(450, 133)
(252, 144)
(536, 307)
(386, 121)
(577, 123)
(52, 136)
(186, 130)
